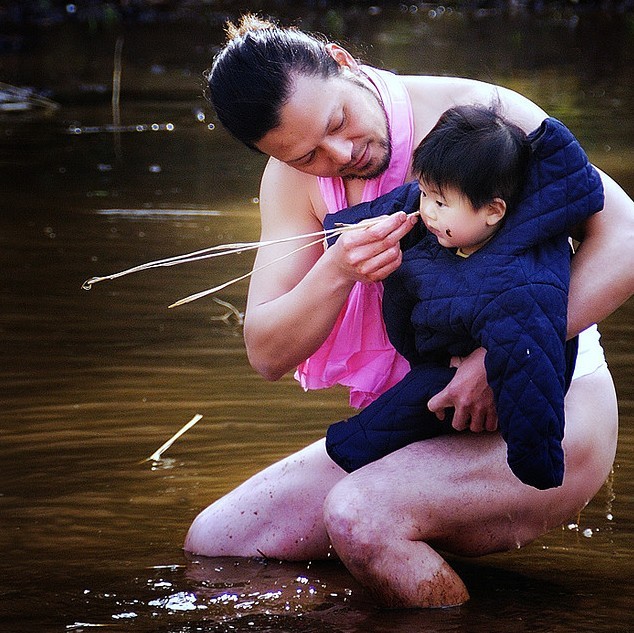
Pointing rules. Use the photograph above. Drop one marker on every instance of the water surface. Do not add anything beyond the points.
(94, 382)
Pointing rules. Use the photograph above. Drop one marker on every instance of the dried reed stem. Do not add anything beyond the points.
(156, 455)
(204, 293)
(205, 253)
(229, 249)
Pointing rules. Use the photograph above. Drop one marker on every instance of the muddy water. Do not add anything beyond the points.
(93, 383)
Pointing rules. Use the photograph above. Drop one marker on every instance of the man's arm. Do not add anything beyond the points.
(602, 273)
(293, 303)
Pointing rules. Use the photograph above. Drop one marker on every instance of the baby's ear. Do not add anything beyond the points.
(495, 210)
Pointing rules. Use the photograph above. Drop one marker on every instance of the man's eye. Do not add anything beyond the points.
(341, 123)
(308, 160)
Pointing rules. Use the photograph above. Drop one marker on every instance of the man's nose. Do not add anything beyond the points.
(338, 149)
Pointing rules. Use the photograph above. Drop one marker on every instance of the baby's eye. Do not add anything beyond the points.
(439, 203)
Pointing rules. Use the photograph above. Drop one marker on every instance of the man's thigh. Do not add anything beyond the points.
(458, 494)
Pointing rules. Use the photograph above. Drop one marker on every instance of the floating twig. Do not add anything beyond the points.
(156, 455)
(231, 311)
(116, 95)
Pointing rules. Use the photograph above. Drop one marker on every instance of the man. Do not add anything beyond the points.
(339, 133)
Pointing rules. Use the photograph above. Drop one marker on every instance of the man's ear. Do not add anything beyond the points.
(496, 210)
(342, 57)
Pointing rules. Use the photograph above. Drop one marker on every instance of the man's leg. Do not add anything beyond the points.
(456, 493)
(276, 513)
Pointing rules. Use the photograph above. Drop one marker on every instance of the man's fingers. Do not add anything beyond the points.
(477, 424)
(383, 234)
(461, 420)
(437, 405)
(379, 267)
(393, 226)
(374, 252)
(491, 422)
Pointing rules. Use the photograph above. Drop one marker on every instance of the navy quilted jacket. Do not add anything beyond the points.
(509, 297)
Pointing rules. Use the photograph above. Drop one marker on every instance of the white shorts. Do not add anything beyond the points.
(590, 356)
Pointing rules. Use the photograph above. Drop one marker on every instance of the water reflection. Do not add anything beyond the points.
(93, 383)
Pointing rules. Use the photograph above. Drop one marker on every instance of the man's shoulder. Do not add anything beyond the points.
(282, 177)
(442, 86)
(286, 190)
(431, 95)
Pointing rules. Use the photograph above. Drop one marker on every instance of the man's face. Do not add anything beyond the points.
(331, 127)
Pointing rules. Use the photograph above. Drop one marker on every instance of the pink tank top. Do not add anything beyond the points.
(358, 353)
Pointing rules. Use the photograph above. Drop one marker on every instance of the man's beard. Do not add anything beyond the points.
(381, 167)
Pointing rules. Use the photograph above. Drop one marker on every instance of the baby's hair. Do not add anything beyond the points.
(472, 148)
(251, 77)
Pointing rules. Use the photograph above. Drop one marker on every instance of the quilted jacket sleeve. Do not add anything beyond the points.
(562, 189)
(523, 331)
(398, 304)
(397, 418)
(403, 198)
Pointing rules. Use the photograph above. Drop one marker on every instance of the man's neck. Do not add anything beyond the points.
(354, 190)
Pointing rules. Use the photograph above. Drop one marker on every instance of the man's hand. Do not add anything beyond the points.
(371, 253)
(470, 395)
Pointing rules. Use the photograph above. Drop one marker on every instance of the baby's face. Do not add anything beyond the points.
(456, 223)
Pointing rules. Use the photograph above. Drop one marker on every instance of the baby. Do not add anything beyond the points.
(489, 267)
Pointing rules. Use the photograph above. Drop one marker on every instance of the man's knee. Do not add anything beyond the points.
(349, 519)
(359, 520)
